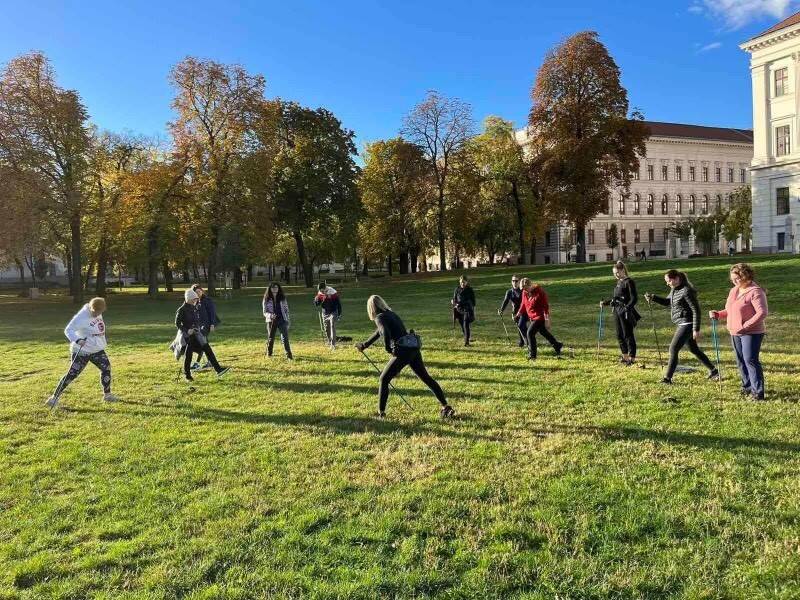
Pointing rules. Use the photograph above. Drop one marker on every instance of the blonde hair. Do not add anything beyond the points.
(375, 305)
(622, 268)
(524, 282)
(97, 305)
(743, 271)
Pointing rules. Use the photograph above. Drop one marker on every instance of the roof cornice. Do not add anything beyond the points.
(770, 39)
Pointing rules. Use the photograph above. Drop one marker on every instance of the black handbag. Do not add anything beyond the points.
(410, 341)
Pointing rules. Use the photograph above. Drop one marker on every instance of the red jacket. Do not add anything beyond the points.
(534, 304)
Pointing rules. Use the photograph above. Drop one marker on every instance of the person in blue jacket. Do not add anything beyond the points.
(514, 297)
(208, 321)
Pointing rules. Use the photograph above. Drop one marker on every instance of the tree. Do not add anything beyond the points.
(739, 220)
(216, 105)
(303, 171)
(395, 187)
(580, 113)
(613, 238)
(704, 229)
(43, 131)
(440, 126)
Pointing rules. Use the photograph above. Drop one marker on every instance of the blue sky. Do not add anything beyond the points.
(370, 62)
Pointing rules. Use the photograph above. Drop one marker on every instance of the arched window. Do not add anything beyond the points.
(621, 204)
(678, 204)
(664, 204)
(719, 203)
(692, 204)
(705, 204)
(637, 204)
(649, 204)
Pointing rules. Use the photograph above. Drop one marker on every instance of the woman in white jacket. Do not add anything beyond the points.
(276, 313)
(87, 335)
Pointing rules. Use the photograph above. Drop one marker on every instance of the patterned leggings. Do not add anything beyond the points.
(79, 362)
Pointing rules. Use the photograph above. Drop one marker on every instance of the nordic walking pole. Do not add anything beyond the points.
(503, 323)
(391, 385)
(600, 329)
(655, 334)
(715, 337)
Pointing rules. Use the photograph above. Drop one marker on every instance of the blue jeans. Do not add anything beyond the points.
(747, 349)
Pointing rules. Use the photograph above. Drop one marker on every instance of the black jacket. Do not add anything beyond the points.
(684, 307)
(390, 327)
(624, 300)
(513, 296)
(188, 317)
(208, 313)
(464, 299)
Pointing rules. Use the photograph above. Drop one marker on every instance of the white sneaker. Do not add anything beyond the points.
(109, 397)
(51, 402)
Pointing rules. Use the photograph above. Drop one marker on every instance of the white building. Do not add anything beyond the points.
(775, 169)
(689, 171)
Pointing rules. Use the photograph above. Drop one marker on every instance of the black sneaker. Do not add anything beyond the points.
(380, 415)
(666, 381)
(745, 392)
(188, 378)
(531, 357)
(222, 371)
(558, 348)
(447, 412)
(714, 375)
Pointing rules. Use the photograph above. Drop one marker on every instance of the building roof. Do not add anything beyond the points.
(680, 130)
(787, 22)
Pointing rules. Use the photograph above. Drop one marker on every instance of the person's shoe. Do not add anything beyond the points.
(380, 415)
(289, 357)
(531, 357)
(758, 398)
(222, 371)
(558, 348)
(466, 343)
(714, 375)
(206, 367)
(195, 366)
(666, 381)
(447, 412)
(623, 360)
(51, 402)
(188, 378)
(521, 344)
(109, 397)
(745, 392)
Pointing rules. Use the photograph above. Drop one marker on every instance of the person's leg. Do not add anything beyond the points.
(532, 327)
(392, 368)
(682, 334)
(331, 326)
(418, 366)
(522, 330)
(271, 329)
(751, 349)
(100, 360)
(701, 356)
(78, 364)
(212, 358)
(549, 336)
(191, 348)
(741, 364)
(630, 334)
(284, 328)
(621, 337)
(468, 318)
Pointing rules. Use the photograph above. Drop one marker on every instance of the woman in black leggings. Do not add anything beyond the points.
(405, 350)
(685, 312)
(463, 303)
(187, 319)
(623, 303)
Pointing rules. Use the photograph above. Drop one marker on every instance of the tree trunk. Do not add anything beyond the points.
(355, 263)
(301, 254)
(75, 231)
(533, 250)
(102, 268)
(185, 272)
(365, 270)
(195, 271)
(520, 221)
(440, 231)
(167, 271)
(249, 274)
(237, 278)
(404, 263)
(413, 255)
(89, 270)
(389, 264)
(212, 262)
(21, 269)
(152, 262)
(580, 243)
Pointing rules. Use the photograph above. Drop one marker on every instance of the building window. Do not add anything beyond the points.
(649, 204)
(781, 81)
(592, 258)
(678, 173)
(718, 174)
(651, 235)
(705, 173)
(591, 237)
(636, 236)
(636, 204)
(705, 204)
(781, 241)
(621, 205)
(665, 233)
(742, 175)
(650, 172)
(636, 174)
(730, 175)
(664, 202)
(692, 204)
(678, 204)
(547, 239)
(664, 173)
(783, 147)
(783, 200)
(623, 237)
(719, 203)
(691, 173)
(609, 256)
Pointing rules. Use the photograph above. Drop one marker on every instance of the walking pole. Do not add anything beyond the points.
(600, 330)
(655, 334)
(503, 323)
(391, 385)
(453, 316)
(715, 338)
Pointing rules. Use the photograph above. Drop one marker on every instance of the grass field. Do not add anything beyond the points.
(570, 478)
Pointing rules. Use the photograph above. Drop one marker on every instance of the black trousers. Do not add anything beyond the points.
(396, 364)
(625, 335)
(535, 327)
(273, 327)
(206, 331)
(192, 347)
(465, 319)
(683, 337)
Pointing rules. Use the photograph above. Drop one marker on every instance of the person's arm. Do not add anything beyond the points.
(285, 305)
(179, 320)
(694, 306)
(659, 300)
(72, 330)
(633, 295)
(761, 309)
(506, 300)
(318, 299)
(213, 317)
(545, 305)
(264, 302)
(374, 337)
(472, 297)
(337, 306)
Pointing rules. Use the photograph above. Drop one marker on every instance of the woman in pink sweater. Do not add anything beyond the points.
(745, 312)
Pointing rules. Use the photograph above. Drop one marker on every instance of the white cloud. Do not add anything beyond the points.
(738, 13)
(711, 46)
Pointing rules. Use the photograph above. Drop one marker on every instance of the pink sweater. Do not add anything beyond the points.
(747, 313)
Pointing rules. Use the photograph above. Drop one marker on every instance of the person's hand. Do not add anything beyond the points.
(713, 314)
(359, 346)
(499, 313)
(602, 304)
(516, 318)
(696, 336)
(81, 342)
(191, 331)
(212, 328)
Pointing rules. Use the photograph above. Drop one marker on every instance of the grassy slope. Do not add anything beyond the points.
(569, 479)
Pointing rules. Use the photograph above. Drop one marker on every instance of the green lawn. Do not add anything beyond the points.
(570, 478)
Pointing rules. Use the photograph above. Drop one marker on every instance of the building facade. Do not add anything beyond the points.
(775, 168)
(688, 171)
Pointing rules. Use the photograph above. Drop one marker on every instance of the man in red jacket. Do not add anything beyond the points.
(535, 306)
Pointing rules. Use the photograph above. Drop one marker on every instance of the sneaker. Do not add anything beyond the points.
(714, 375)
(289, 357)
(109, 397)
(380, 415)
(521, 344)
(188, 378)
(222, 371)
(745, 392)
(531, 357)
(51, 402)
(206, 367)
(558, 348)
(195, 366)
(666, 381)
(447, 412)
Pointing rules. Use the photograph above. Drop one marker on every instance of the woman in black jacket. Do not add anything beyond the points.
(188, 320)
(623, 303)
(405, 350)
(685, 312)
(463, 303)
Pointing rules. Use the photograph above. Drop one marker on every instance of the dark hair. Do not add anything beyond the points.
(680, 276)
(195, 286)
(268, 293)
(322, 286)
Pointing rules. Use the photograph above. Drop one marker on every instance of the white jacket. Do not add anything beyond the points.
(84, 326)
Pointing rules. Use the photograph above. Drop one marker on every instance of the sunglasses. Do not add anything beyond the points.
(515, 281)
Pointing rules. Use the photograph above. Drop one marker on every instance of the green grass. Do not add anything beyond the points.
(566, 479)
